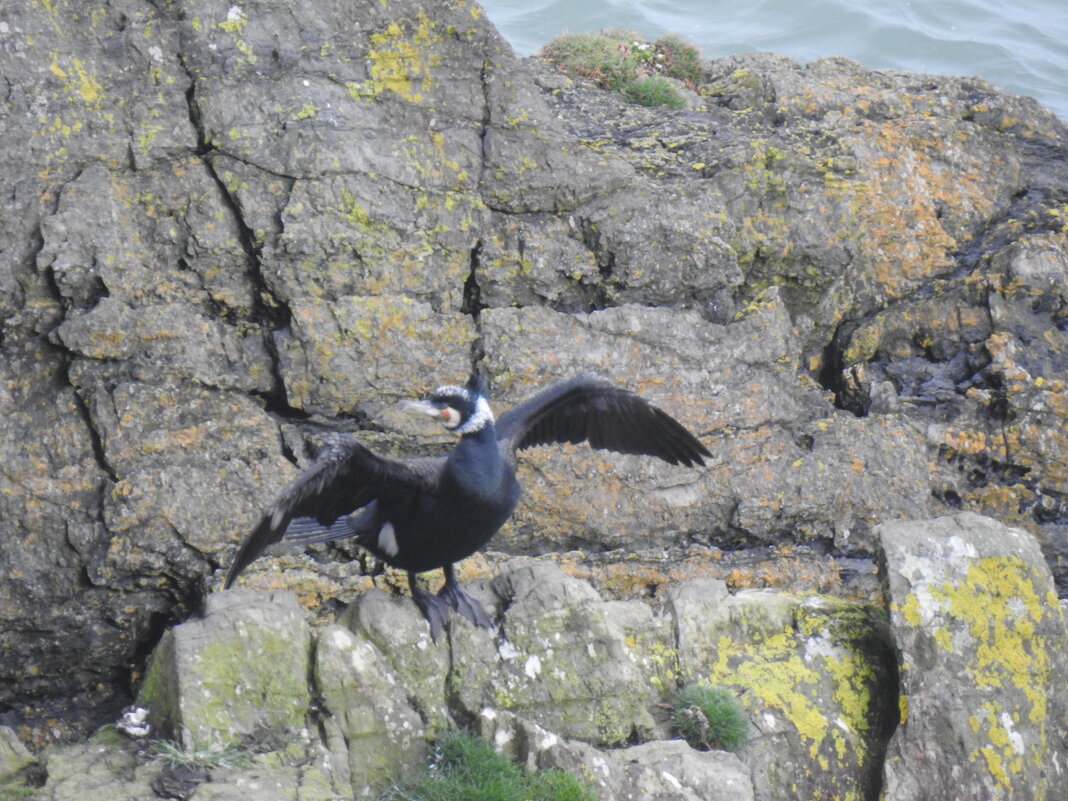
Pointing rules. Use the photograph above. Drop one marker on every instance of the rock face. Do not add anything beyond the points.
(566, 674)
(240, 670)
(230, 222)
(954, 692)
(981, 642)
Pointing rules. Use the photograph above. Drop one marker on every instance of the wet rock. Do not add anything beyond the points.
(980, 640)
(234, 676)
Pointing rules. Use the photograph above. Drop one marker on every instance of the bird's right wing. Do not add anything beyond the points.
(589, 409)
(344, 477)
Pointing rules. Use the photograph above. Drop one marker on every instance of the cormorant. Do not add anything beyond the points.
(422, 513)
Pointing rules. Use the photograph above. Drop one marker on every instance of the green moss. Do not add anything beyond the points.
(465, 768)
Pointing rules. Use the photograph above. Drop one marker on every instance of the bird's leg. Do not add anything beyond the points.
(434, 609)
(452, 593)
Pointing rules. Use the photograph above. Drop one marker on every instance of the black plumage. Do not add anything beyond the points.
(423, 513)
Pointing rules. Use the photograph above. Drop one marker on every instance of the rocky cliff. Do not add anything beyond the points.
(230, 227)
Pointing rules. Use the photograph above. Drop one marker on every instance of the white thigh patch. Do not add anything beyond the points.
(387, 539)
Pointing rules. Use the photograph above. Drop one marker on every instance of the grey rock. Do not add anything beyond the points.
(371, 730)
(352, 352)
(238, 674)
(814, 674)
(399, 632)
(13, 754)
(97, 771)
(227, 217)
(710, 775)
(980, 640)
(659, 771)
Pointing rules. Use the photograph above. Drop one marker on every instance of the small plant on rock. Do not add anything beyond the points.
(218, 756)
(465, 768)
(655, 91)
(621, 61)
(710, 717)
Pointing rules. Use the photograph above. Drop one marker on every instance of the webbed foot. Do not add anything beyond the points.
(453, 594)
(434, 609)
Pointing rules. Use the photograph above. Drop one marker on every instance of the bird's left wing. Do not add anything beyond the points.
(344, 477)
(589, 409)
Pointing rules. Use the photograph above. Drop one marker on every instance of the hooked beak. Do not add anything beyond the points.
(424, 406)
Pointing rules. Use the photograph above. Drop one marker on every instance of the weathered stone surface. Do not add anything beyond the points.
(814, 673)
(227, 217)
(371, 729)
(13, 754)
(710, 775)
(239, 673)
(97, 771)
(657, 771)
(366, 350)
(980, 640)
(832, 476)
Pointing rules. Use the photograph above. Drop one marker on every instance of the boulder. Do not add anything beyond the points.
(235, 676)
(815, 674)
(13, 754)
(980, 640)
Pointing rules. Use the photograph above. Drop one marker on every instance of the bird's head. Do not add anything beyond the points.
(464, 410)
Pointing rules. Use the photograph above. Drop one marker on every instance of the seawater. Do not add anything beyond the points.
(1021, 47)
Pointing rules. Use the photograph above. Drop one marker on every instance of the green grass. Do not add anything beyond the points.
(710, 717)
(13, 788)
(465, 768)
(622, 62)
(655, 91)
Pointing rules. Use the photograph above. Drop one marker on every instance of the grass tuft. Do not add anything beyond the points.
(465, 768)
(710, 717)
(654, 91)
(175, 756)
(622, 62)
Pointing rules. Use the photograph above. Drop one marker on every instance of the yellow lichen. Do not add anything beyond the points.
(401, 61)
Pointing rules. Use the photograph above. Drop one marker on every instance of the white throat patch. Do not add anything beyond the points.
(477, 421)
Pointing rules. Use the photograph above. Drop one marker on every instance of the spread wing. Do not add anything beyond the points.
(345, 476)
(589, 409)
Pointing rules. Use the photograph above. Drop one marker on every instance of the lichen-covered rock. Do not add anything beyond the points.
(372, 730)
(97, 771)
(238, 218)
(832, 476)
(981, 641)
(13, 754)
(401, 635)
(815, 674)
(558, 659)
(238, 674)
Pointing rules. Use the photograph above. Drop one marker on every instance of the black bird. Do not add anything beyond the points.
(428, 512)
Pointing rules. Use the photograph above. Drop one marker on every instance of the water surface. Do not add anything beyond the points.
(1021, 47)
